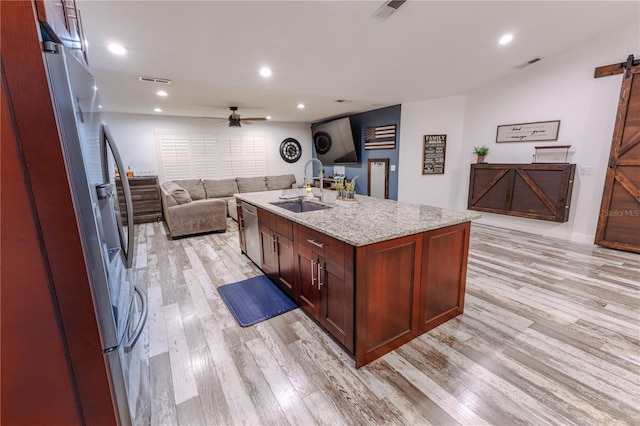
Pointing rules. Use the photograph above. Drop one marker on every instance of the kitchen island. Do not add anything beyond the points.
(373, 273)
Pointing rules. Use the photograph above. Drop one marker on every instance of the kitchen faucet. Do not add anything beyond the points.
(313, 177)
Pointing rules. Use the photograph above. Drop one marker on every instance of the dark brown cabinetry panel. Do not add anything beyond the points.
(388, 274)
(371, 299)
(145, 197)
(52, 366)
(536, 191)
(325, 268)
(278, 259)
(444, 271)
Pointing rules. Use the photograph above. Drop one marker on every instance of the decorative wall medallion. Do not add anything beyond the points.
(290, 150)
(322, 142)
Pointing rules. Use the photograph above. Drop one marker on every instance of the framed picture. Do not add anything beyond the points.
(528, 132)
(433, 154)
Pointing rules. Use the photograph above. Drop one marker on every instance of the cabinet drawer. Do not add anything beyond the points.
(330, 248)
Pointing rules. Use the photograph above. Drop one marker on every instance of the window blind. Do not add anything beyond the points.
(210, 156)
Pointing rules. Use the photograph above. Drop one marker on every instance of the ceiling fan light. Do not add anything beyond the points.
(234, 122)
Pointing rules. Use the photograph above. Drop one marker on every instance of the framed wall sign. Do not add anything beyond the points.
(433, 154)
(527, 132)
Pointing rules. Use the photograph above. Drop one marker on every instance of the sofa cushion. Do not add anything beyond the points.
(253, 184)
(280, 182)
(194, 187)
(177, 192)
(220, 188)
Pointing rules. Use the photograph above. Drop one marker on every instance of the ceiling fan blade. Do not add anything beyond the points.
(216, 118)
(254, 119)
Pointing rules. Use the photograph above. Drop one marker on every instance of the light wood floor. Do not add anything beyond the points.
(550, 335)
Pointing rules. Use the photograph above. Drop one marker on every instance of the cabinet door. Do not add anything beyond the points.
(286, 264)
(336, 295)
(444, 272)
(307, 266)
(269, 262)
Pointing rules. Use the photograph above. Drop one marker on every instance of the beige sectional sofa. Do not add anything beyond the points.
(193, 206)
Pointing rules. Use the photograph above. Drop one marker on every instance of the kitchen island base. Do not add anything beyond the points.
(371, 298)
(407, 286)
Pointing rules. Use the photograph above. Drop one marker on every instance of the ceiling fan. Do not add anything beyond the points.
(234, 119)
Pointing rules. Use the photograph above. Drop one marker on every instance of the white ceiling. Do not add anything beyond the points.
(321, 51)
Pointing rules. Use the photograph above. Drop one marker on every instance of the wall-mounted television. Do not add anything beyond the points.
(333, 142)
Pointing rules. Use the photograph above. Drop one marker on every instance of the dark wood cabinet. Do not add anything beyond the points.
(325, 271)
(405, 286)
(536, 191)
(276, 242)
(145, 197)
(444, 271)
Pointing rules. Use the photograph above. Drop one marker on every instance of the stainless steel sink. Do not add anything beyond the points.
(301, 206)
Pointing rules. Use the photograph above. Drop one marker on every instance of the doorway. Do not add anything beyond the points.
(378, 177)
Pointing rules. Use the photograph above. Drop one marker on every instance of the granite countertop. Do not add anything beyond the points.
(368, 220)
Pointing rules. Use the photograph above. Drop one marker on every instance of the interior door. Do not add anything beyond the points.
(619, 221)
(378, 177)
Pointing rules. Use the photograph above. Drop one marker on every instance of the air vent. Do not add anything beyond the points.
(526, 64)
(387, 9)
(155, 80)
(342, 101)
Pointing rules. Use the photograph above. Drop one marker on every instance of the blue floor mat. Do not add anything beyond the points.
(255, 299)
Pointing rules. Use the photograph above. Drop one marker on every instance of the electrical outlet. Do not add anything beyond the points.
(585, 170)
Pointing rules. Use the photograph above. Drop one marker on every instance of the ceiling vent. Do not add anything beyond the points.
(155, 80)
(526, 64)
(342, 101)
(387, 9)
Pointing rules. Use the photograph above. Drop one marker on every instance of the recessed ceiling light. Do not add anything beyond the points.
(300, 106)
(265, 71)
(268, 117)
(506, 39)
(117, 49)
(162, 93)
(157, 109)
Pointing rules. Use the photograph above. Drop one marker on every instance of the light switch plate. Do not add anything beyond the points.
(585, 170)
(393, 167)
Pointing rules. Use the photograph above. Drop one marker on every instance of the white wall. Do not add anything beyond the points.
(135, 136)
(556, 88)
(434, 117)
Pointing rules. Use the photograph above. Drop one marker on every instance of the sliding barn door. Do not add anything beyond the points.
(619, 221)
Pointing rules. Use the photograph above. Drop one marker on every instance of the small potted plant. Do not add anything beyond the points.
(350, 189)
(481, 152)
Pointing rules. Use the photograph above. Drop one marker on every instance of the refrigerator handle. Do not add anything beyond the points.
(128, 247)
(129, 344)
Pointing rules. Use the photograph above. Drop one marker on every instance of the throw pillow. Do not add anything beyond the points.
(177, 192)
(194, 186)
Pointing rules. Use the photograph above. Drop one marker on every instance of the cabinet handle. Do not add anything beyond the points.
(275, 244)
(320, 270)
(315, 243)
(313, 265)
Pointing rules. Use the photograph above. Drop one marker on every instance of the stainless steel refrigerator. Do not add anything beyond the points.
(91, 159)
